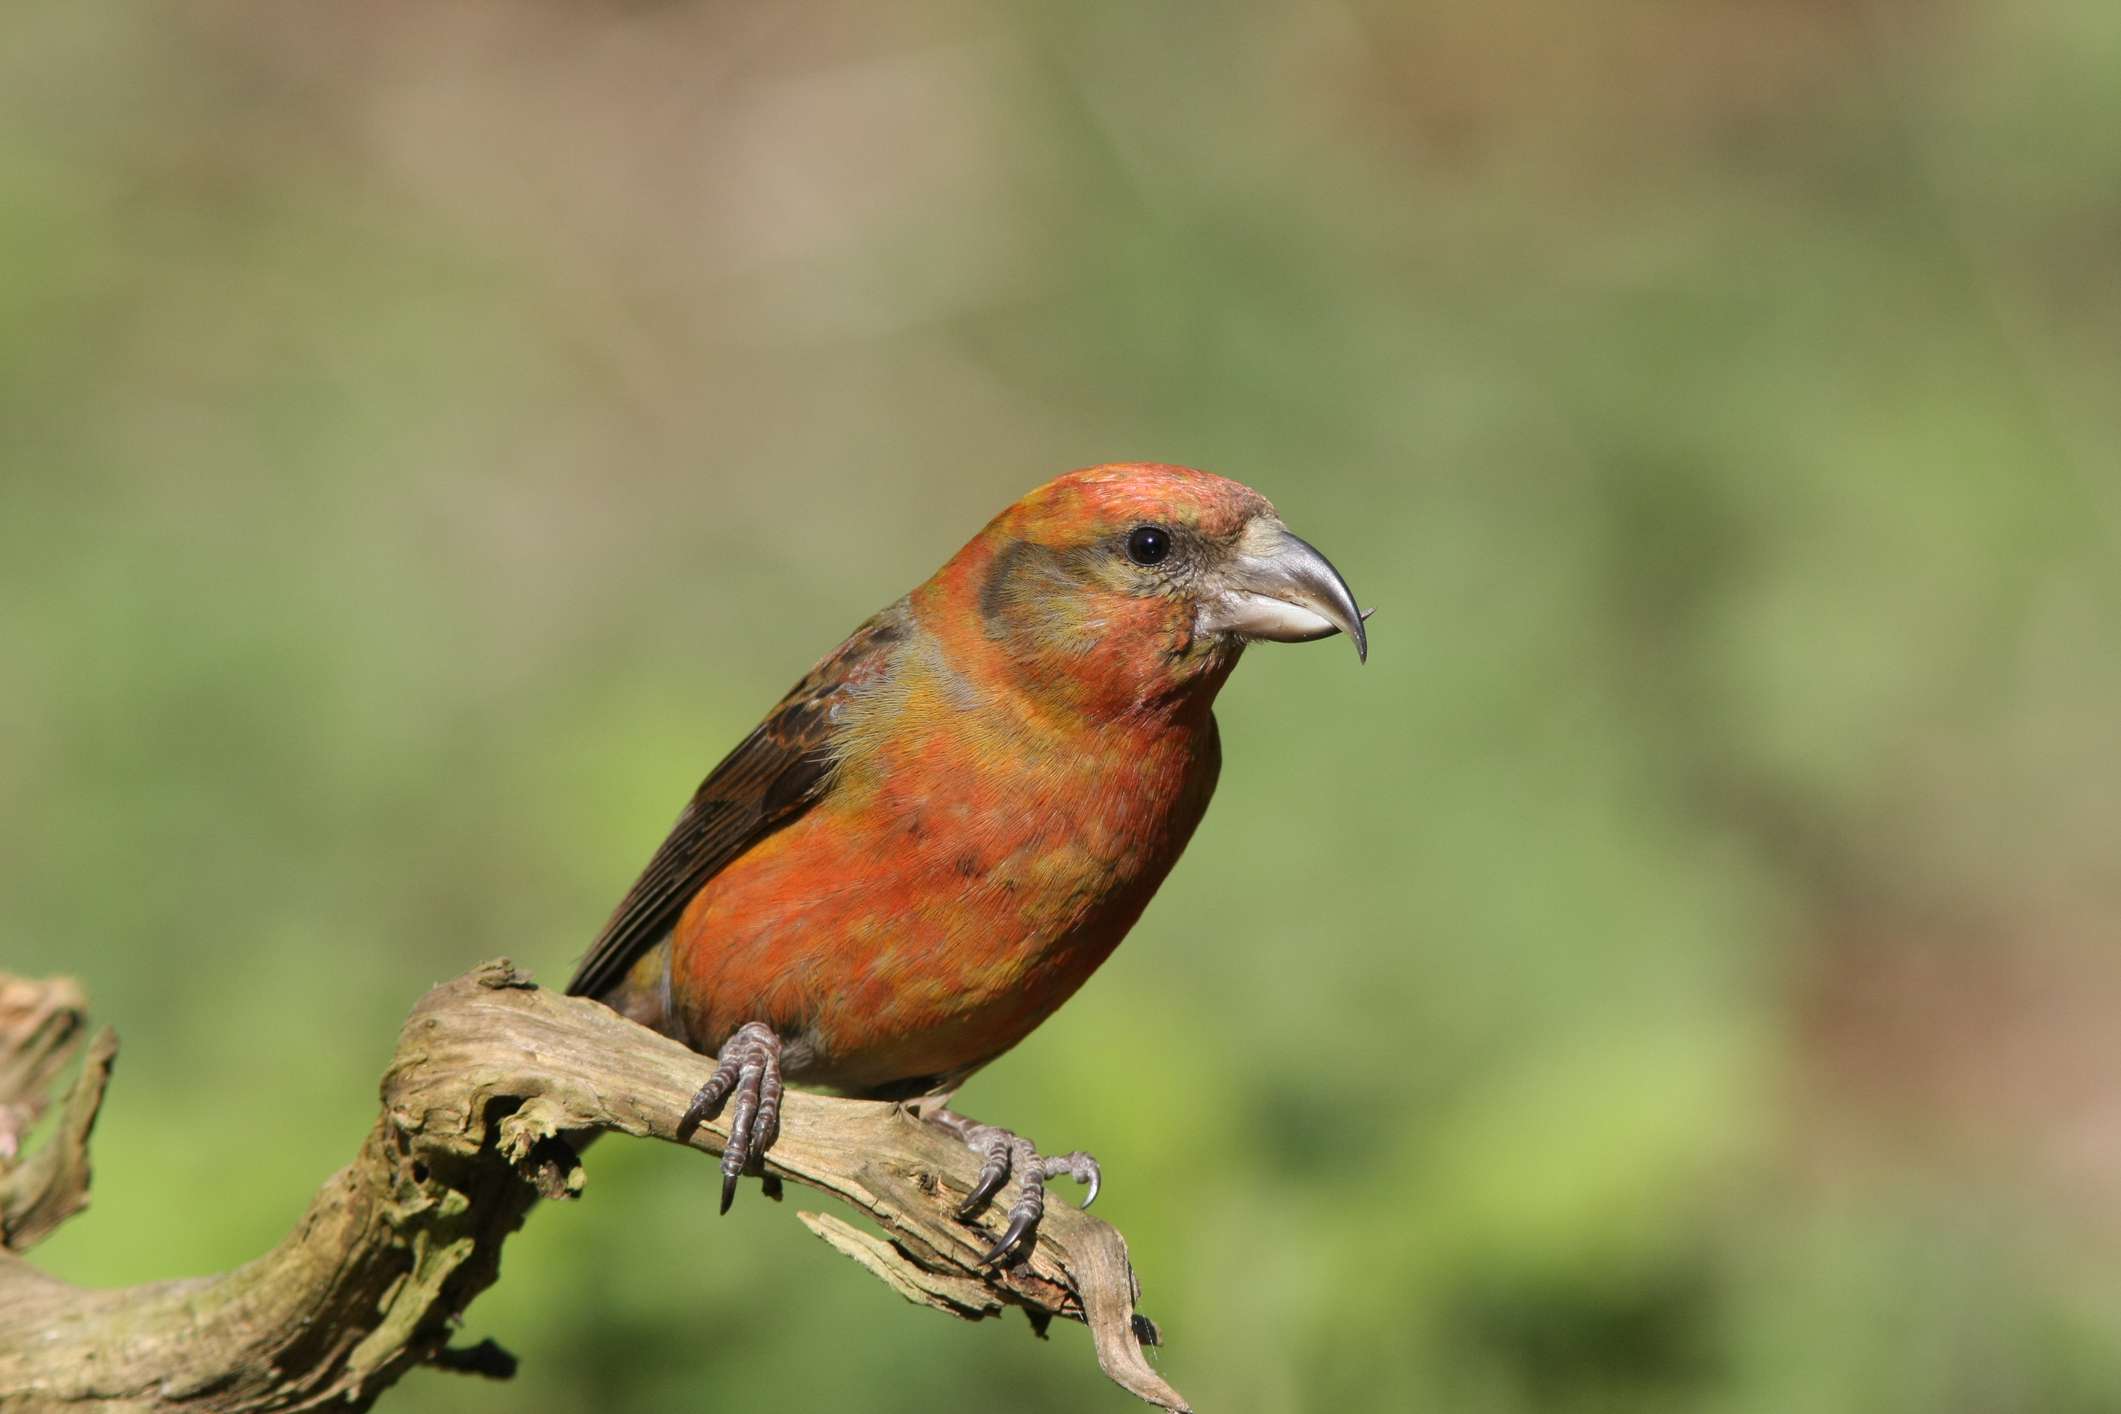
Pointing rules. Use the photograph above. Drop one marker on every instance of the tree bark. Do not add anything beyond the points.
(494, 1087)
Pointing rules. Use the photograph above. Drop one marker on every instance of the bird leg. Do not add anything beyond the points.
(1003, 1154)
(749, 1067)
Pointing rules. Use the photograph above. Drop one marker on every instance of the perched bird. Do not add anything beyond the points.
(938, 835)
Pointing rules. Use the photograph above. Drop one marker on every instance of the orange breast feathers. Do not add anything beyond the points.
(984, 846)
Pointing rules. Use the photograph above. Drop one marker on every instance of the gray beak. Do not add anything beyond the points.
(1277, 587)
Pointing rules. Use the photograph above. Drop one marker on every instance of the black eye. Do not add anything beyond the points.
(1148, 544)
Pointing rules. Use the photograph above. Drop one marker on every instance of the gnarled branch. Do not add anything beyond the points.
(494, 1086)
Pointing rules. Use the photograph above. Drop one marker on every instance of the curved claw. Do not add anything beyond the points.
(728, 1191)
(1078, 1166)
(990, 1183)
(1019, 1227)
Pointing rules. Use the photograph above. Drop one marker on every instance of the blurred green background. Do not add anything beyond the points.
(434, 433)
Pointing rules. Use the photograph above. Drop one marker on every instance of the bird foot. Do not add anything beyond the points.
(1002, 1155)
(749, 1068)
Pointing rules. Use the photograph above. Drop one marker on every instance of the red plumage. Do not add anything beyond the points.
(933, 841)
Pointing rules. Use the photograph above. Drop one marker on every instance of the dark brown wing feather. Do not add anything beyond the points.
(773, 776)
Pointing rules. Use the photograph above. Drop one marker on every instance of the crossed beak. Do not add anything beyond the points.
(1277, 587)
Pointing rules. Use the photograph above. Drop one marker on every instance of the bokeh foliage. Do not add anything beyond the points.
(1677, 973)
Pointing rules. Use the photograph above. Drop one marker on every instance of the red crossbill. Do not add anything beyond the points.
(939, 834)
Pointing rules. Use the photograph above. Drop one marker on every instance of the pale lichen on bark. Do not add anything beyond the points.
(494, 1086)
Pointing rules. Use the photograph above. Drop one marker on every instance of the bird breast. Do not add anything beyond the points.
(971, 865)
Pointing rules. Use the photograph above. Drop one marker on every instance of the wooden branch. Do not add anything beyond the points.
(40, 1028)
(495, 1086)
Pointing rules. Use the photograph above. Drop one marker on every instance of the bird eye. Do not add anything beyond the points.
(1148, 544)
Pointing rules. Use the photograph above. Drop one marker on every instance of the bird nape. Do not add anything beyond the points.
(938, 835)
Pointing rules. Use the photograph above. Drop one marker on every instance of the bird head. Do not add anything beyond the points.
(1124, 586)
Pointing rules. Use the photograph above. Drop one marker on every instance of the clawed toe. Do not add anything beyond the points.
(1003, 1155)
(1078, 1166)
(749, 1069)
(1023, 1223)
(997, 1151)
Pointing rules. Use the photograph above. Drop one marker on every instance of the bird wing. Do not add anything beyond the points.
(774, 775)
